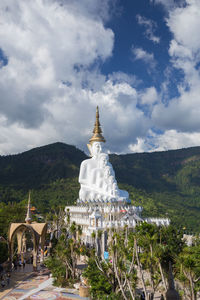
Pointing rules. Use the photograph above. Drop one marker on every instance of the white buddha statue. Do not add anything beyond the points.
(89, 164)
(95, 148)
(97, 177)
(97, 174)
(86, 174)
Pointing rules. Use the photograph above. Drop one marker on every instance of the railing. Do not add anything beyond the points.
(80, 221)
(76, 209)
(117, 224)
(158, 221)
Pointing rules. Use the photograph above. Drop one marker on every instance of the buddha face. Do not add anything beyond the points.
(96, 148)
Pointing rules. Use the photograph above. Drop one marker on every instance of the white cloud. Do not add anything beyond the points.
(184, 22)
(178, 117)
(121, 77)
(141, 54)
(182, 112)
(139, 147)
(179, 51)
(150, 27)
(95, 9)
(172, 139)
(51, 84)
(15, 138)
(149, 96)
(45, 44)
(169, 140)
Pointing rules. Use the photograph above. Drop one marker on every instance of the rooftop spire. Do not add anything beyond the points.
(28, 214)
(97, 136)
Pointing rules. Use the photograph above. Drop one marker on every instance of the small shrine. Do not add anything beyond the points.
(18, 230)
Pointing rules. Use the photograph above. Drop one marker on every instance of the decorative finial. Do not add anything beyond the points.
(28, 214)
(97, 136)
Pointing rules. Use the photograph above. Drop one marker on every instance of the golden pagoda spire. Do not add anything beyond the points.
(28, 214)
(97, 136)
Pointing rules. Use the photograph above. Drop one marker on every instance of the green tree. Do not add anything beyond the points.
(118, 271)
(63, 261)
(146, 237)
(99, 279)
(188, 264)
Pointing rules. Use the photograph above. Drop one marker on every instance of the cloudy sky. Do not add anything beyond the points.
(138, 60)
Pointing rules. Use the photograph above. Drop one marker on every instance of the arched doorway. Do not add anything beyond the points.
(38, 234)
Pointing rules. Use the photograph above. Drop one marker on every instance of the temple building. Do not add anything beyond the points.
(38, 232)
(101, 204)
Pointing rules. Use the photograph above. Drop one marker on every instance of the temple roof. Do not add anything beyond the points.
(97, 132)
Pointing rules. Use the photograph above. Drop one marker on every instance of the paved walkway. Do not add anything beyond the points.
(17, 277)
(26, 284)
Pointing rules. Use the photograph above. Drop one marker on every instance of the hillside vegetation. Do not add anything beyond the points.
(164, 183)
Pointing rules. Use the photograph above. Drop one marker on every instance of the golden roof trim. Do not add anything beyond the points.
(97, 132)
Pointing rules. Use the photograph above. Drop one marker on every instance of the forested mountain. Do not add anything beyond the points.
(164, 183)
(41, 165)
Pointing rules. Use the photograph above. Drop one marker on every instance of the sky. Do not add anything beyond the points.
(139, 61)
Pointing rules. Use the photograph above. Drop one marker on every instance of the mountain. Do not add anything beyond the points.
(164, 183)
(158, 171)
(41, 165)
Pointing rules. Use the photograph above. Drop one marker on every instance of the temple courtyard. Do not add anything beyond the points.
(26, 284)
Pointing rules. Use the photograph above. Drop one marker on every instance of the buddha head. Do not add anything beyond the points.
(95, 149)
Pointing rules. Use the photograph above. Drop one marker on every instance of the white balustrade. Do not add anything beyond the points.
(158, 221)
(79, 209)
(80, 221)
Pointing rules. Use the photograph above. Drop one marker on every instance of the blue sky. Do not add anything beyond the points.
(141, 25)
(138, 60)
